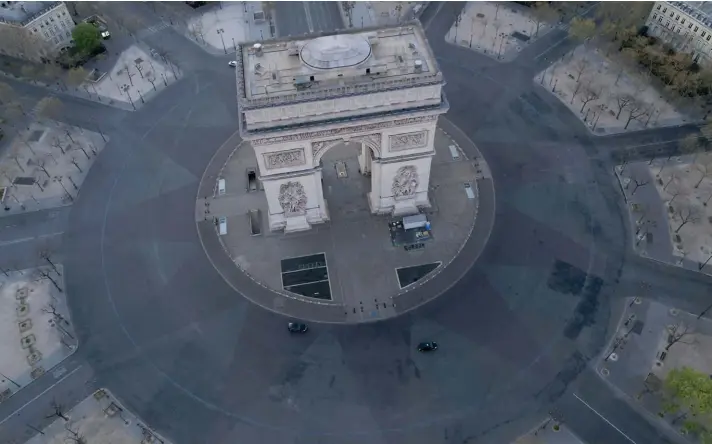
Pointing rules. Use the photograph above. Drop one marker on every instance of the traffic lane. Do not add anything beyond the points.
(30, 409)
(596, 414)
(36, 223)
(25, 253)
(291, 18)
(325, 16)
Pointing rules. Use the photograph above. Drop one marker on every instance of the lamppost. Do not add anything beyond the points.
(220, 33)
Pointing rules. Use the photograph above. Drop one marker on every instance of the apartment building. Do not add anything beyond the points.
(687, 26)
(34, 30)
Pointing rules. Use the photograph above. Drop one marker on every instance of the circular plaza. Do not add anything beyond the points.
(357, 266)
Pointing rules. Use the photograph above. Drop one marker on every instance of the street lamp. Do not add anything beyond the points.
(220, 33)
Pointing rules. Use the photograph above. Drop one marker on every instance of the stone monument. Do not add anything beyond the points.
(298, 97)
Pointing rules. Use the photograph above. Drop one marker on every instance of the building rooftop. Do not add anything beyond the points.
(351, 61)
(701, 11)
(21, 13)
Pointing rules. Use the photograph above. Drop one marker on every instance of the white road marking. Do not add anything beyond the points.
(16, 412)
(310, 24)
(603, 418)
(27, 239)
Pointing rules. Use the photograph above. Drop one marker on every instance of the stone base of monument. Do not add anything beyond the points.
(296, 223)
(405, 208)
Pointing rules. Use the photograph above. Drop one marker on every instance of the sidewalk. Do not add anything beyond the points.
(637, 361)
(648, 218)
(367, 14)
(547, 434)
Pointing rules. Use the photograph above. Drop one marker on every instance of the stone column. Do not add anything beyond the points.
(364, 160)
(374, 197)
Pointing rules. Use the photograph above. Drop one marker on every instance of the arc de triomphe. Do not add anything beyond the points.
(299, 97)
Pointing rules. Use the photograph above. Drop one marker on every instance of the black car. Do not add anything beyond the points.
(427, 346)
(295, 327)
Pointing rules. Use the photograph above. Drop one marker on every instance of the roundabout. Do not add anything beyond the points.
(178, 339)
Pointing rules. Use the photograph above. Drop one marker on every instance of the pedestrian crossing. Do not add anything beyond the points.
(152, 29)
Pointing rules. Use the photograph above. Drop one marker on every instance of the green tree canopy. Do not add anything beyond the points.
(86, 37)
(690, 389)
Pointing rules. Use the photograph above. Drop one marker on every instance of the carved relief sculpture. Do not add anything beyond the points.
(405, 182)
(319, 146)
(344, 130)
(292, 199)
(373, 141)
(285, 159)
(400, 142)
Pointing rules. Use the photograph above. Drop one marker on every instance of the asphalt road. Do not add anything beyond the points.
(161, 329)
(297, 18)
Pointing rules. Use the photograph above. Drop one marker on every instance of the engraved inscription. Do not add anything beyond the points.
(284, 159)
(292, 199)
(405, 182)
(408, 141)
(345, 130)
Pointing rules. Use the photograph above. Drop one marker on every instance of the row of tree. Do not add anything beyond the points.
(619, 29)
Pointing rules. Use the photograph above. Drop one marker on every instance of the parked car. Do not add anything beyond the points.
(296, 327)
(232, 63)
(427, 346)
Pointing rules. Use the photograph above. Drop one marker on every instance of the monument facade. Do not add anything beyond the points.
(299, 97)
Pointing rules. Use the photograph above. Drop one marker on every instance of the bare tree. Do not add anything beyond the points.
(128, 73)
(575, 92)
(541, 12)
(582, 29)
(41, 165)
(636, 109)
(57, 411)
(56, 143)
(42, 274)
(622, 100)
(151, 77)
(686, 214)
(51, 309)
(590, 92)
(638, 184)
(49, 108)
(76, 77)
(23, 44)
(580, 67)
(705, 170)
(74, 162)
(348, 8)
(689, 144)
(45, 252)
(139, 67)
(677, 333)
(73, 436)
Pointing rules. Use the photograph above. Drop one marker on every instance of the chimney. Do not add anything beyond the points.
(257, 47)
(418, 65)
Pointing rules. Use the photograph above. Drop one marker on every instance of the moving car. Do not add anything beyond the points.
(296, 327)
(232, 63)
(427, 346)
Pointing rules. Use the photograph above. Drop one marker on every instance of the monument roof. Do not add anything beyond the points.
(350, 61)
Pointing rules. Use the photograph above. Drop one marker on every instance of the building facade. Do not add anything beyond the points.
(34, 30)
(297, 98)
(687, 26)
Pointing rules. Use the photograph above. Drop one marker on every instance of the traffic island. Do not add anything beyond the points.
(100, 418)
(45, 165)
(35, 325)
(356, 267)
